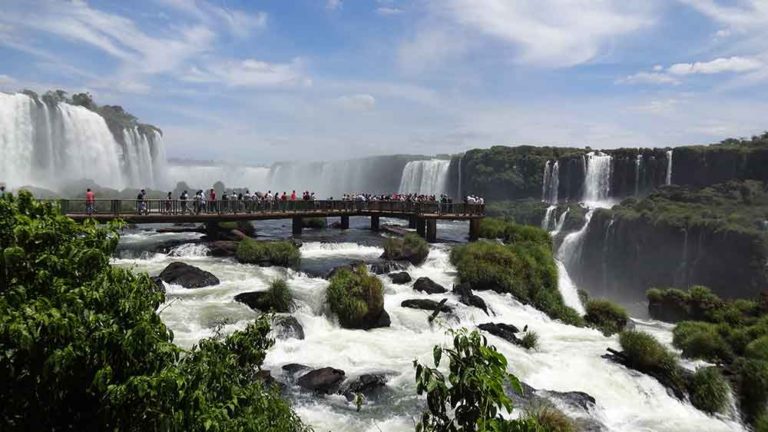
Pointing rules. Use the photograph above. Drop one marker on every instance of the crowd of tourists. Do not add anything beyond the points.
(209, 201)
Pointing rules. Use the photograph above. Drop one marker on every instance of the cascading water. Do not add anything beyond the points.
(638, 167)
(669, 168)
(551, 182)
(548, 217)
(545, 179)
(49, 144)
(597, 181)
(459, 196)
(199, 176)
(429, 177)
(560, 222)
(568, 358)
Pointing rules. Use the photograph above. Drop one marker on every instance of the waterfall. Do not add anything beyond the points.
(669, 168)
(568, 289)
(548, 217)
(551, 182)
(459, 196)
(428, 177)
(570, 249)
(638, 167)
(597, 181)
(560, 223)
(50, 144)
(199, 176)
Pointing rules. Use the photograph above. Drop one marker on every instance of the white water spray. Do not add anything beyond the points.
(597, 180)
(669, 168)
(638, 167)
(425, 177)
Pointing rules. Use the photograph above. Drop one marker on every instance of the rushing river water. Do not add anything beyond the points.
(568, 358)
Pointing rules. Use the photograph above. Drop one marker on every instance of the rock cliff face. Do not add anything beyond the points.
(700, 166)
(662, 242)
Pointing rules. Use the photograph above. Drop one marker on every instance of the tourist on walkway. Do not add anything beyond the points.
(212, 201)
(2, 191)
(90, 200)
(141, 202)
(168, 203)
(183, 198)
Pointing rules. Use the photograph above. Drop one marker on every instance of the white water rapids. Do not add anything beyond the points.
(568, 358)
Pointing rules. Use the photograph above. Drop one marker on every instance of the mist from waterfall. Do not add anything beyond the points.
(428, 177)
(597, 179)
(200, 176)
(49, 145)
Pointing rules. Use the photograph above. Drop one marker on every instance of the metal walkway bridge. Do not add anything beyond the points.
(422, 216)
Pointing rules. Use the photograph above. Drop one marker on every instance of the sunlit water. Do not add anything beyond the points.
(568, 358)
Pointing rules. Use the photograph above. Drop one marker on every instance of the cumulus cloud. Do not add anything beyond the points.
(357, 102)
(719, 65)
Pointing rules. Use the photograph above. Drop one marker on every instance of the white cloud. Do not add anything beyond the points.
(333, 4)
(387, 11)
(239, 23)
(550, 33)
(740, 14)
(250, 73)
(357, 102)
(648, 78)
(719, 65)
(5, 80)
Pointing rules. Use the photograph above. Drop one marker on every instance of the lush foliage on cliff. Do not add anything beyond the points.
(473, 397)
(82, 348)
(523, 267)
(606, 316)
(355, 296)
(279, 253)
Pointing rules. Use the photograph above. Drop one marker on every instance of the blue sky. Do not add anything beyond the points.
(265, 80)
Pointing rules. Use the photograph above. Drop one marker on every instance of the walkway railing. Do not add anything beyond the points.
(120, 207)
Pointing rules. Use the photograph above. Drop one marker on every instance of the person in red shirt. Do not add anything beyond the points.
(293, 196)
(213, 204)
(90, 200)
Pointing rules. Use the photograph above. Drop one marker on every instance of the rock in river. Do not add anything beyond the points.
(179, 273)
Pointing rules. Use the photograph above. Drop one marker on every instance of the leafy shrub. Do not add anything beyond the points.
(606, 316)
(473, 396)
(530, 340)
(709, 390)
(701, 341)
(314, 222)
(84, 349)
(550, 418)
(492, 228)
(757, 349)
(753, 388)
(355, 296)
(280, 296)
(644, 352)
(279, 253)
(411, 248)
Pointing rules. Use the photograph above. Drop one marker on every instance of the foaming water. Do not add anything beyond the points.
(568, 358)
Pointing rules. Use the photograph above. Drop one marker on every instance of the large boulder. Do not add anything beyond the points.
(357, 299)
(325, 380)
(179, 273)
(427, 285)
(504, 331)
(222, 248)
(286, 327)
(426, 304)
(349, 266)
(411, 248)
(464, 291)
(259, 300)
(366, 384)
(400, 278)
(385, 267)
(293, 369)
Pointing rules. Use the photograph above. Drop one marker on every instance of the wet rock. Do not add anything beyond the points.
(266, 377)
(573, 398)
(669, 309)
(179, 273)
(427, 285)
(426, 304)
(222, 248)
(286, 327)
(350, 266)
(295, 368)
(382, 320)
(259, 300)
(325, 380)
(504, 331)
(366, 384)
(579, 401)
(466, 297)
(400, 278)
(385, 267)
(158, 284)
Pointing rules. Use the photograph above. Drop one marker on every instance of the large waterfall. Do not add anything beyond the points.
(551, 182)
(48, 144)
(638, 168)
(425, 177)
(203, 176)
(597, 181)
(669, 168)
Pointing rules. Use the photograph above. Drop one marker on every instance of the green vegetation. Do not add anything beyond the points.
(314, 222)
(82, 347)
(703, 341)
(473, 396)
(411, 248)
(606, 316)
(494, 228)
(550, 418)
(356, 297)
(709, 390)
(279, 296)
(753, 389)
(524, 268)
(524, 212)
(279, 253)
(530, 340)
(646, 353)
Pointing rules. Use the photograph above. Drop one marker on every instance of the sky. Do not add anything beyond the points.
(274, 80)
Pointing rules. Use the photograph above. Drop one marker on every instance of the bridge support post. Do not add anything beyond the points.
(474, 229)
(375, 223)
(412, 222)
(421, 228)
(345, 222)
(431, 230)
(298, 224)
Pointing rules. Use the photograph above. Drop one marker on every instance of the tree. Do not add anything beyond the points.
(477, 392)
(82, 348)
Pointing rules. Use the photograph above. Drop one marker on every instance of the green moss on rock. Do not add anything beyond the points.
(277, 253)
